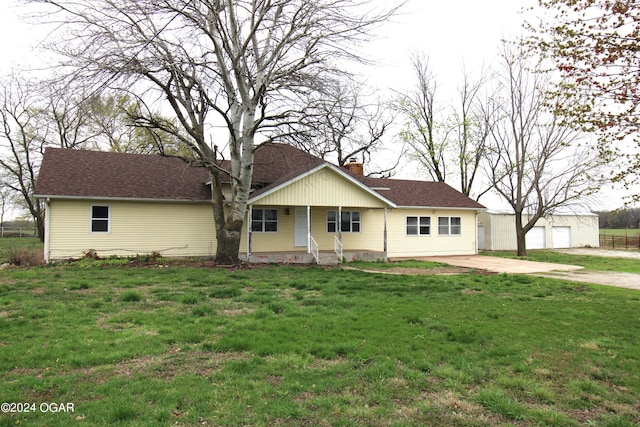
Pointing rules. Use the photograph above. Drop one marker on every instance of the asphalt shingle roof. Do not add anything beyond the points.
(96, 174)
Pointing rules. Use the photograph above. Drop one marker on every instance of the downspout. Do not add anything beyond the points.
(47, 227)
(477, 250)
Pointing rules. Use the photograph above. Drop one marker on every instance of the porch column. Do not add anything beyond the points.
(249, 231)
(308, 229)
(384, 249)
(339, 223)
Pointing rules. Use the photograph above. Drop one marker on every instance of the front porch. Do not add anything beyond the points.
(314, 234)
(304, 257)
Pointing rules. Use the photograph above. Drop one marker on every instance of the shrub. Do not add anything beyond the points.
(23, 257)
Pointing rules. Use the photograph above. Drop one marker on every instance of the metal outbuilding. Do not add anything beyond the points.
(496, 231)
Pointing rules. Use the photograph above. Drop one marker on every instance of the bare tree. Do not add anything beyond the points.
(252, 62)
(446, 146)
(20, 147)
(343, 123)
(536, 162)
(6, 200)
(426, 137)
(471, 132)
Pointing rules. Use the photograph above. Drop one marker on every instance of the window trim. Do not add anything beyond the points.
(263, 221)
(337, 222)
(92, 219)
(418, 226)
(450, 226)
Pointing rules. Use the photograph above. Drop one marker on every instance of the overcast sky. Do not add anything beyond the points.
(447, 31)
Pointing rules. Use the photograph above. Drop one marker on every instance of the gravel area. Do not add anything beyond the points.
(600, 252)
(620, 280)
(608, 278)
(557, 271)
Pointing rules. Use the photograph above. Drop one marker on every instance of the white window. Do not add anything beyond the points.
(349, 221)
(264, 220)
(449, 225)
(418, 226)
(100, 219)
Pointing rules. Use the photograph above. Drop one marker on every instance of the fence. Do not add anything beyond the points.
(18, 232)
(612, 241)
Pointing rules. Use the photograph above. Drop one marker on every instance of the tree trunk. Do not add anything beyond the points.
(228, 231)
(520, 236)
(228, 247)
(40, 227)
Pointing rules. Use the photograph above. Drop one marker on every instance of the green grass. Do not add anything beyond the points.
(312, 346)
(595, 263)
(620, 231)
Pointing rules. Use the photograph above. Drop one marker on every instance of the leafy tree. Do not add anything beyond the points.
(251, 62)
(594, 45)
(113, 119)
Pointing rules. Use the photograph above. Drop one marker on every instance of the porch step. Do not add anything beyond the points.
(328, 258)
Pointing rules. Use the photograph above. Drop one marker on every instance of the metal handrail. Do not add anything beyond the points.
(314, 245)
(337, 247)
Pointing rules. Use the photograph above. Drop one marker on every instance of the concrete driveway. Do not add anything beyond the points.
(502, 265)
(544, 269)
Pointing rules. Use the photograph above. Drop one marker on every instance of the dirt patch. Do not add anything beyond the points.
(438, 271)
(236, 311)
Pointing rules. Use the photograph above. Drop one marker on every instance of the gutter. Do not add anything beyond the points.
(119, 199)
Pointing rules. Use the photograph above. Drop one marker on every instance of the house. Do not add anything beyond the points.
(301, 209)
(496, 231)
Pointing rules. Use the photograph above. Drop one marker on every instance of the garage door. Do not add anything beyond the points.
(561, 237)
(535, 238)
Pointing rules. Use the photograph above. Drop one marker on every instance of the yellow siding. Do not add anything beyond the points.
(172, 229)
(370, 238)
(181, 229)
(322, 188)
(402, 245)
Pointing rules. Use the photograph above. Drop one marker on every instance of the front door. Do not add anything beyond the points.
(301, 226)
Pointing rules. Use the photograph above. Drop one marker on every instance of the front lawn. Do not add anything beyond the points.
(290, 346)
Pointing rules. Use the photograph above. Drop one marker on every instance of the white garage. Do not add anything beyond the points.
(561, 237)
(497, 231)
(535, 238)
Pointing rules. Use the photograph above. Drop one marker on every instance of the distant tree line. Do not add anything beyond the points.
(620, 219)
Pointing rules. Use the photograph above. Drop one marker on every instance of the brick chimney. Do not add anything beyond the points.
(355, 167)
